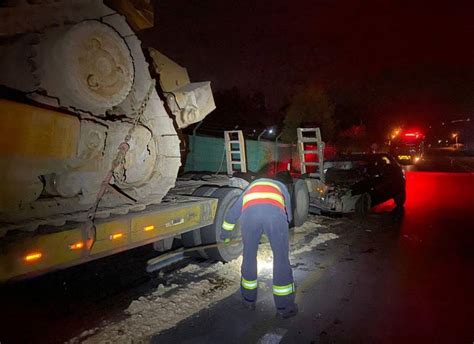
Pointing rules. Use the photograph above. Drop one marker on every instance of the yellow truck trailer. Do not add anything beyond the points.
(89, 144)
(195, 220)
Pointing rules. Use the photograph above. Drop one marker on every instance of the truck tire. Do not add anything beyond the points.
(211, 234)
(299, 194)
(300, 202)
(193, 238)
(363, 205)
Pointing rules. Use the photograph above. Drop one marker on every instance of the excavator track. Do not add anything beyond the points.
(185, 187)
(87, 78)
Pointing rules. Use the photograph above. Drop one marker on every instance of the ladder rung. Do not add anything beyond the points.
(311, 152)
(235, 151)
(311, 163)
(307, 129)
(308, 139)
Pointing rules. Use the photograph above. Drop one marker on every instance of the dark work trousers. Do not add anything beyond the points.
(268, 219)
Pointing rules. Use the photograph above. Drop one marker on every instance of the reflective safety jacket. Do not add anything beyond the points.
(263, 191)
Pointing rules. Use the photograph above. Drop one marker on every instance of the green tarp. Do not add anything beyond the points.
(208, 154)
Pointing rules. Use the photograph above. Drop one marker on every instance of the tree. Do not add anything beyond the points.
(353, 139)
(311, 108)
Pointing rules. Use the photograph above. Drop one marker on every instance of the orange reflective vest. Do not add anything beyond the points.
(263, 192)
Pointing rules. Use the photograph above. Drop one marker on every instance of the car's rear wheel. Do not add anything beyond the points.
(363, 205)
(400, 199)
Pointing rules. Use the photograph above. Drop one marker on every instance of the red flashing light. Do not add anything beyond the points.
(413, 134)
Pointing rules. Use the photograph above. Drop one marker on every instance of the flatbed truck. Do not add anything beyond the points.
(193, 211)
(182, 215)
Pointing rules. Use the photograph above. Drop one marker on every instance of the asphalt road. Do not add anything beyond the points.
(388, 278)
(383, 281)
(444, 160)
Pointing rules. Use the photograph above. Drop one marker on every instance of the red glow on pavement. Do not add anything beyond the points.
(434, 190)
(444, 200)
(384, 207)
(431, 281)
(448, 191)
(435, 243)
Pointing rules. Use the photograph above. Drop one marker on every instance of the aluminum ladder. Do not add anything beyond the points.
(311, 136)
(235, 151)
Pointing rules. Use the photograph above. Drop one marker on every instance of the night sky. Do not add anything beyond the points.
(402, 61)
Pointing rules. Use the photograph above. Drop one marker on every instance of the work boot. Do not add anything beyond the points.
(288, 312)
(247, 304)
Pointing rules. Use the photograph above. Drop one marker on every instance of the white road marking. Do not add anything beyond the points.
(273, 337)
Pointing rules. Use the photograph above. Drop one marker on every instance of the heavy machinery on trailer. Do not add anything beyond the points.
(86, 114)
(89, 153)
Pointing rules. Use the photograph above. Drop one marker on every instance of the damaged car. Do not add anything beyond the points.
(356, 183)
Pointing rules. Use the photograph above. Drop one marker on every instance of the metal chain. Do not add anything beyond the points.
(122, 149)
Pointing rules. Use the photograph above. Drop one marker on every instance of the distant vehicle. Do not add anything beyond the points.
(408, 147)
(356, 183)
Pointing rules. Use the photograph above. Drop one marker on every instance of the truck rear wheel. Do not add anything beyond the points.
(299, 194)
(211, 234)
(300, 201)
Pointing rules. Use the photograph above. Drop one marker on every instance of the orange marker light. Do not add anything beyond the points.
(149, 228)
(116, 236)
(76, 246)
(33, 257)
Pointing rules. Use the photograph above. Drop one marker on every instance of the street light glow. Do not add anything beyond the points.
(455, 136)
(395, 133)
